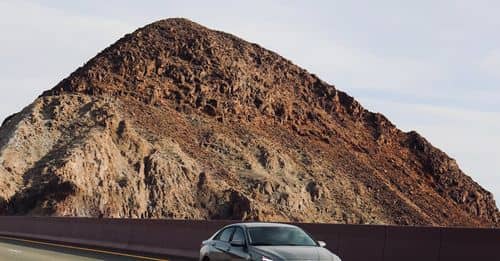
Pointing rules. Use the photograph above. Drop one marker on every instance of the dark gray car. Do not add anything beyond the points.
(263, 242)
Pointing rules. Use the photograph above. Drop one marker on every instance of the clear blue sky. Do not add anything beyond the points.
(430, 66)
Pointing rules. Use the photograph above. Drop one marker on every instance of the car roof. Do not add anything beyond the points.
(262, 224)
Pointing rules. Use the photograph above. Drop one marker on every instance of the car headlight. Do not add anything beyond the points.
(266, 259)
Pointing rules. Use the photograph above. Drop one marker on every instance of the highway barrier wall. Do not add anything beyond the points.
(183, 237)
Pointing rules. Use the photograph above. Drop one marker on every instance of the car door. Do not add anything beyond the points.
(221, 245)
(238, 252)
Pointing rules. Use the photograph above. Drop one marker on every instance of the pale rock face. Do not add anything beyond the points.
(179, 121)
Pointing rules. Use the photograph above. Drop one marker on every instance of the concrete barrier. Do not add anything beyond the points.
(183, 237)
(412, 244)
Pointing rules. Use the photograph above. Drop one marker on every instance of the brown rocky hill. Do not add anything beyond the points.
(179, 121)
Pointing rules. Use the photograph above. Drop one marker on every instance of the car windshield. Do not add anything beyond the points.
(279, 236)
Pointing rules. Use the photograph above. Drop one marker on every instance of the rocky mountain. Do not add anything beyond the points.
(179, 121)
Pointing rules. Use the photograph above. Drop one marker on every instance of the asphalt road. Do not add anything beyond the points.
(27, 250)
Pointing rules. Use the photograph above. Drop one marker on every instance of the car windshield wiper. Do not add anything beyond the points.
(295, 245)
(269, 244)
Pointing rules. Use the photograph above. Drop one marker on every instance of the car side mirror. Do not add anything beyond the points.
(237, 243)
(321, 243)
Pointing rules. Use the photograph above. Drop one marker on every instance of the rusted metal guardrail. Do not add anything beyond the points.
(183, 237)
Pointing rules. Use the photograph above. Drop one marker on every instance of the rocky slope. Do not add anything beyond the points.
(179, 121)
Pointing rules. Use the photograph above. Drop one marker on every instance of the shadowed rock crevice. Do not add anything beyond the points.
(3, 206)
(41, 201)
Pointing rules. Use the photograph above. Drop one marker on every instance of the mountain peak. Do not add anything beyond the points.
(175, 107)
(179, 62)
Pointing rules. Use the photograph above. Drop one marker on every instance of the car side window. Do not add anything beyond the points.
(225, 235)
(238, 235)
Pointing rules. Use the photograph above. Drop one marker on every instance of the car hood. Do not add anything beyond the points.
(303, 253)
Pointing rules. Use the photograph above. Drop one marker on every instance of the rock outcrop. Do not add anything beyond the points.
(179, 121)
